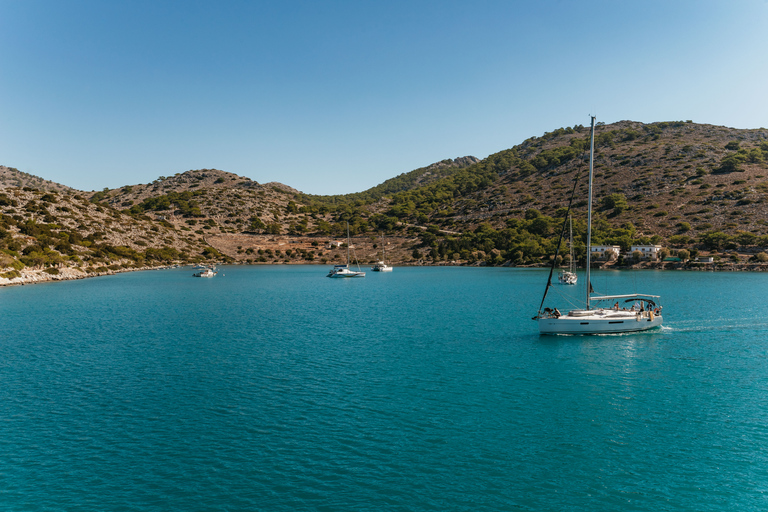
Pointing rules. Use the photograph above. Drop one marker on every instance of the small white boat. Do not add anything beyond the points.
(644, 314)
(344, 270)
(566, 277)
(205, 273)
(381, 267)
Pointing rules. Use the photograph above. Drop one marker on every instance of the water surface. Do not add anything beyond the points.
(275, 388)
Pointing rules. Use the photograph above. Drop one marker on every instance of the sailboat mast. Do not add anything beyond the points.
(589, 204)
(347, 243)
(570, 218)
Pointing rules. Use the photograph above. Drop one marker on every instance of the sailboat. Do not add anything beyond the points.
(380, 266)
(344, 270)
(644, 314)
(208, 272)
(569, 276)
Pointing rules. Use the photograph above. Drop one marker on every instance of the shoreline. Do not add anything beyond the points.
(37, 276)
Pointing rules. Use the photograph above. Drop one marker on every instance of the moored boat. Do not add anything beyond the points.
(380, 266)
(340, 271)
(205, 273)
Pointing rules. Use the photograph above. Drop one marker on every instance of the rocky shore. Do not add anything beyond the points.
(33, 276)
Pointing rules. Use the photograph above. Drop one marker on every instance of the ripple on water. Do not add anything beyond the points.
(278, 389)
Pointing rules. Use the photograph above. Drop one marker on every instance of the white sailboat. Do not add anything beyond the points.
(569, 276)
(344, 270)
(207, 272)
(380, 266)
(644, 314)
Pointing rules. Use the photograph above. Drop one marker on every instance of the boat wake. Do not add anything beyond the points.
(736, 324)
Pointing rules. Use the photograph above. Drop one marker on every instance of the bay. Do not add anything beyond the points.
(275, 388)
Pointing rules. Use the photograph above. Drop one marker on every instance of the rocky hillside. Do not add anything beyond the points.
(11, 177)
(680, 184)
(687, 186)
(667, 178)
(45, 234)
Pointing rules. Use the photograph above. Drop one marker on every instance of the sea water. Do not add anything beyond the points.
(424, 389)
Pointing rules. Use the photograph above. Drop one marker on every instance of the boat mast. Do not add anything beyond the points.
(347, 243)
(570, 218)
(589, 204)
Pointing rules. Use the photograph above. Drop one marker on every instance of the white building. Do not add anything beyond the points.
(649, 252)
(607, 252)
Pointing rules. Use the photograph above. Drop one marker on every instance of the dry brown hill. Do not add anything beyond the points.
(12, 177)
(209, 201)
(673, 180)
(669, 174)
(54, 232)
(670, 182)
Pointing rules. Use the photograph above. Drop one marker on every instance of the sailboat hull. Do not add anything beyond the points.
(339, 271)
(600, 321)
(348, 273)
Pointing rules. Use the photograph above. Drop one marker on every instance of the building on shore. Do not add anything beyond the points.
(648, 252)
(605, 252)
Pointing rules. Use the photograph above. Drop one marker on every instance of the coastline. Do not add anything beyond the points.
(36, 276)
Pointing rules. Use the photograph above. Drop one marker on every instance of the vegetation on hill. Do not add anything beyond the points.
(12, 177)
(46, 230)
(687, 186)
(406, 181)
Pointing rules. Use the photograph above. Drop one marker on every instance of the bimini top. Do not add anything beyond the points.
(630, 296)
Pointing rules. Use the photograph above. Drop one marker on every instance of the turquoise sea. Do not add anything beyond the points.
(427, 389)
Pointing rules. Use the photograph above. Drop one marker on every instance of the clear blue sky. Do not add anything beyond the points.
(337, 96)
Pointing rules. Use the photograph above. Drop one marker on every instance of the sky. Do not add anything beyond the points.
(335, 97)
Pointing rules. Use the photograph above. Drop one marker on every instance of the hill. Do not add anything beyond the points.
(12, 177)
(691, 187)
(48, 235)
(666, 173)
(404, 182)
